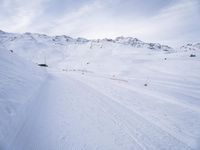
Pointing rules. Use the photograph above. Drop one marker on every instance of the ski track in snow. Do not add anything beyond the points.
(160, 109)
(71, 114)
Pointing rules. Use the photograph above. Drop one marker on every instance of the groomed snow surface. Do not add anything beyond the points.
(100, 99)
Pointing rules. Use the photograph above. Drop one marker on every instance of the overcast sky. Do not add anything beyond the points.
(164, 21)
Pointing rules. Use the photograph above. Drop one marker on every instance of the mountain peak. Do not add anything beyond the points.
(2, 32)
(63, 39)
(191, 46)
(127, 39)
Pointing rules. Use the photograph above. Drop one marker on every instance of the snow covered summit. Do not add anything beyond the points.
(64, 40)
(191, 47)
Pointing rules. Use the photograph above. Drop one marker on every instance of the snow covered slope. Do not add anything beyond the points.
(19, 82)
(98, 94)
(64, 52)
(59, 48)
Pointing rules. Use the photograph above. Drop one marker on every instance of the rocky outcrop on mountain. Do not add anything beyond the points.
(190, 47)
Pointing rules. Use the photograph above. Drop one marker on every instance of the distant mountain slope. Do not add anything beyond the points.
(66, 52)
(64, 40)
(101, 55)
(191, 47)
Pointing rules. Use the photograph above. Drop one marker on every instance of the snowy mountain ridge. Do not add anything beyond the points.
(63, 40)
(191, 47)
